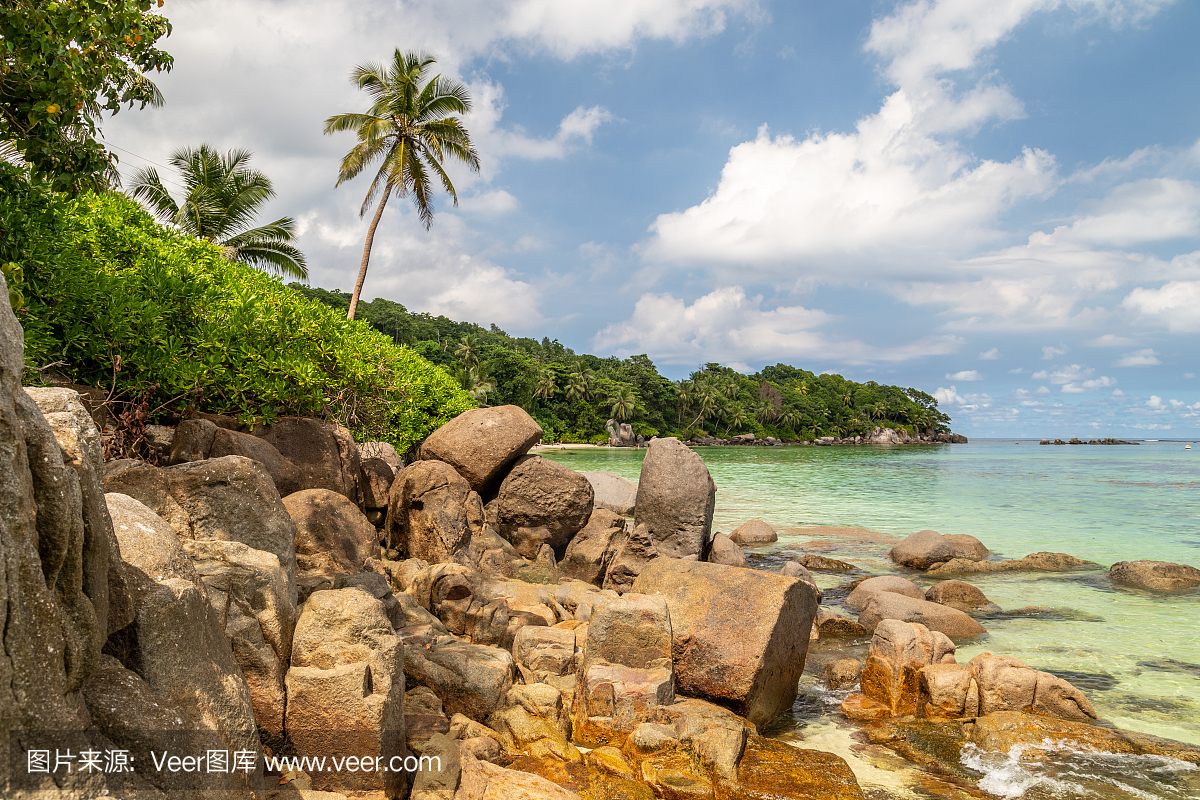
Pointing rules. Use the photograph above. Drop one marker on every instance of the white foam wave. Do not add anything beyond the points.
(1058, 770)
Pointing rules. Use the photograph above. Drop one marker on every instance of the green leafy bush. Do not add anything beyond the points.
(115, 300)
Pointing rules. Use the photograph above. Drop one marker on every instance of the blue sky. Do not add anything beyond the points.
(996, 202)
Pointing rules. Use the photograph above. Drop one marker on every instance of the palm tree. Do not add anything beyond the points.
(412, 129)
(475, 383)
(737, 418)
(802, 388)
(468, 350)
(624, 401)
(546, 387)
(765, 412)
(223, 197)
(790, 419)
(580, 385)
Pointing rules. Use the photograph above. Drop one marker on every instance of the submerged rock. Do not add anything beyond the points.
(960, 595)
(1155, 576)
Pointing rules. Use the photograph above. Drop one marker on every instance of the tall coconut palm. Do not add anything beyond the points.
(546, 387)
(624, 402)
(411, 128)
(580, 382)
(468, 350)
(223, 197)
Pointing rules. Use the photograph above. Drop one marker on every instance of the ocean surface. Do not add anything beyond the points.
(1135, 654)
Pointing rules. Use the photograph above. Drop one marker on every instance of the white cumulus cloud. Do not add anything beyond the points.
(1139, 358)
(728, 326)
(964, 375)
(990, 355)
(1174, 304)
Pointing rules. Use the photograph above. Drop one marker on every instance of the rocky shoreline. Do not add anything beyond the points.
(534, 631)
(877, 436)
(1090, 441)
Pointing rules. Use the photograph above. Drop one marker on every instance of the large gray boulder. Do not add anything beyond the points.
(944, 619)
(81, 449)
(539, 494)
(177, 642)
(332, 535)
(346, 689)
(613, 492)
(376, 482)
(226, 499)
(325, 454)
(1155, 576)
(675, 499)
(432, 513)
(284, 473)
(248, 591)
(483, 442)
(592, 550)
(746, 651)
(922, 550)
(471, 679)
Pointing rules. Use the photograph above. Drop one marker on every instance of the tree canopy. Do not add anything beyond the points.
(572, 394)
(65, 64)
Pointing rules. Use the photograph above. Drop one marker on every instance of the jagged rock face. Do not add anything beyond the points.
(675, 500)
(51, 630)
(634, 554)
(248, 591)
(592, 550)
(177, 643)
(226, 499)
(345, 688)
(79, 442)
(746, 651)
(432, 513)
(483, 442)
(332, 535)
(538, 494)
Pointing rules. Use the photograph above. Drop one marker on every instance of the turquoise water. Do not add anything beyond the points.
(1136, 655)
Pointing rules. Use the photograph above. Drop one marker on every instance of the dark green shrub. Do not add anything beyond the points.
(115, 300)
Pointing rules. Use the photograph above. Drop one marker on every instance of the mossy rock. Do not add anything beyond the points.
(583, 778)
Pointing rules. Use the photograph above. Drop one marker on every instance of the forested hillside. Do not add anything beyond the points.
(573, 394)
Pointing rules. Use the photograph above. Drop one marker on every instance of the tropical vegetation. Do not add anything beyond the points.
(411, 129)
(162, 322)
(222, 199)
(573, 395)
(62, 66)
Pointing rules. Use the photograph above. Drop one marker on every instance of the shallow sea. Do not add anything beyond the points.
(1136, 655)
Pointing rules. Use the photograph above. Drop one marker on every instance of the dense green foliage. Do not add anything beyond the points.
(63, 64)
(572, 395)
(110, 298)
(223, 199)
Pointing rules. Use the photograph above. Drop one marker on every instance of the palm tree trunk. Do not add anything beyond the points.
(362, 269)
